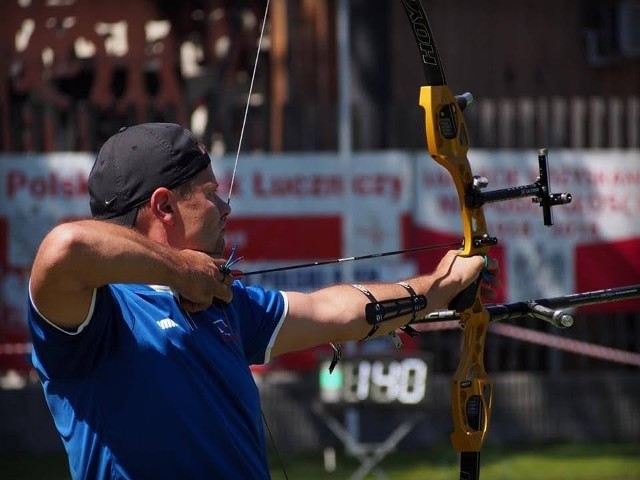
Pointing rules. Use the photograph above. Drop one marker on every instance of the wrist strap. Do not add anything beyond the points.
(408, 329)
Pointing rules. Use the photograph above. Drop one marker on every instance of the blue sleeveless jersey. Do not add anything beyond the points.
(144, 390)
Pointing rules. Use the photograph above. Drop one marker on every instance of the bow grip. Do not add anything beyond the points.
(465, 299)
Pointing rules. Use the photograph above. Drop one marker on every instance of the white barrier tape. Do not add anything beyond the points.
(437, 326)
(566, 344)
(507, 330)
(547, 340)
(15, 348)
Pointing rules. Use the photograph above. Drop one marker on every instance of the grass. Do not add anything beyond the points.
(34, 467)
(552, 462)
(556, 462)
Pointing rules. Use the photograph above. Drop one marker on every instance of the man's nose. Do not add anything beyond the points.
(225, 209)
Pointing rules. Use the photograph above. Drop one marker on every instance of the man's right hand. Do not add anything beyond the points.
(201, 282)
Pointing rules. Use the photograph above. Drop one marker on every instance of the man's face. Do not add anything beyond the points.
(203, 216)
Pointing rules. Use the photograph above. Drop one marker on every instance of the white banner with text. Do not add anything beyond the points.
(298, 208)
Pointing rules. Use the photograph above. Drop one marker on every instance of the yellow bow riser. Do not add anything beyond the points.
(471, 389)
(442, 116)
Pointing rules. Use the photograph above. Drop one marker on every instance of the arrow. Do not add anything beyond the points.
(238, 273)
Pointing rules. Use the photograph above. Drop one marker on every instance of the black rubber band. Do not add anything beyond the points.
(373, 300)
(414, 298)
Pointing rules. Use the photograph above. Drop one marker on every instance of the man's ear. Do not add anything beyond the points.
(162, 203)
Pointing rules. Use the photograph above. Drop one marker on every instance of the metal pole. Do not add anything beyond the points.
(345, 148)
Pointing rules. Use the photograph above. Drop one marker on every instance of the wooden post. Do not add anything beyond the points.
(279, 48)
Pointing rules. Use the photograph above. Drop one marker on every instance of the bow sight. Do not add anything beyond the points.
(475, 198)
(539, 190)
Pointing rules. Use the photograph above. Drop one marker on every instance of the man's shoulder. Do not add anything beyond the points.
(138, 290)
(253, 290)
(123, 294)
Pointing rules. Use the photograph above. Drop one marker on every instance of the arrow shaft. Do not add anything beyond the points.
(348, 259)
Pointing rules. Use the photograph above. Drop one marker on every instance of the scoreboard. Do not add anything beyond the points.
(375, 380)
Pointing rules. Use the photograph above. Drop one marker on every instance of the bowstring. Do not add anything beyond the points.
(233, 176)
(246, 108)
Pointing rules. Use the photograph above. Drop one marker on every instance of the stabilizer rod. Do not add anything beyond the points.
(546, 309)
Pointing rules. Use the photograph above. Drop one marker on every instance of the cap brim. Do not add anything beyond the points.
(127, 219)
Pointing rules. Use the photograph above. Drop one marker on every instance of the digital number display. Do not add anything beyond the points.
(375, 380)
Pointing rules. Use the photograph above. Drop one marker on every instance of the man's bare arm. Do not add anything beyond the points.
(337, 313)
(77, 257)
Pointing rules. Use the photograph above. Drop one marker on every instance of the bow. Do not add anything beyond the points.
(448, 143)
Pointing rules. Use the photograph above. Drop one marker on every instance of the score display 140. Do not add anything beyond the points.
(401, 381)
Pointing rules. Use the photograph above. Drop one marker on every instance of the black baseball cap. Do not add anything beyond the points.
(136, 161)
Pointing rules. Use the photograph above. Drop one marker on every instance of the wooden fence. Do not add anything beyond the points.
(552, 122)
(593, 122)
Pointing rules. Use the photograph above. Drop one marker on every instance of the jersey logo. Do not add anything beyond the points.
(166, 323)
(223, 327)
